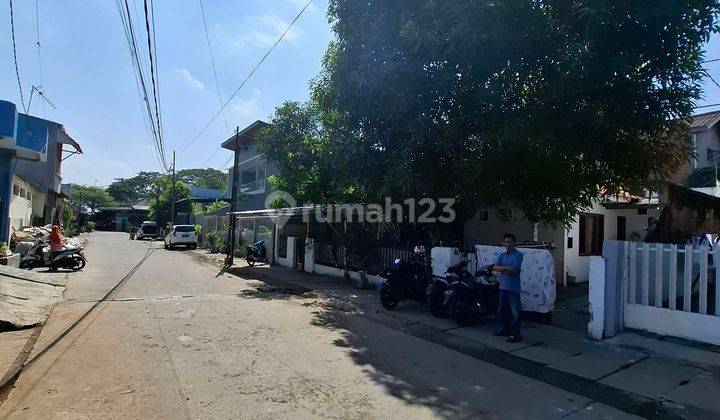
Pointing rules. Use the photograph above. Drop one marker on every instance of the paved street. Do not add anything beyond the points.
(175, 341)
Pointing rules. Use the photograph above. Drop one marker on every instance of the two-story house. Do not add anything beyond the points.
(31, 154)
(253, 170)
(46, 175)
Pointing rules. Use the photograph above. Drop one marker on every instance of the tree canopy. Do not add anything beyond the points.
(534, 104)
(139, 189)
(160, 211)
(204, 178)
(143, 187)
(90, 197)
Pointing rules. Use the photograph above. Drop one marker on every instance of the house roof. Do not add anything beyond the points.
(245, 135)
(703, 122)
(222, 211)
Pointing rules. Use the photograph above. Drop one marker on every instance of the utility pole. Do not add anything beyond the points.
(233, 194)
(157, 204)
(172, 193)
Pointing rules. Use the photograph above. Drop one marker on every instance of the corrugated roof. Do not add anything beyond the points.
(705, 121)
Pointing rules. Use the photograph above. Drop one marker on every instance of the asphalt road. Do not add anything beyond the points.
(175, 341)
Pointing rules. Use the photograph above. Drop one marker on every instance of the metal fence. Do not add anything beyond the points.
(376, 261)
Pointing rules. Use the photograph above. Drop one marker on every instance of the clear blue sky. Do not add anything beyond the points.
(88, 74)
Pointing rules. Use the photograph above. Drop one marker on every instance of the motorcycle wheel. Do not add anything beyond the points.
(79, 264)
(27, 264)
(250, 260)
(388, 300)
(435, 301)
(461, 312)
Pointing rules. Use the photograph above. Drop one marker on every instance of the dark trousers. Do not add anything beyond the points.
(508, 317)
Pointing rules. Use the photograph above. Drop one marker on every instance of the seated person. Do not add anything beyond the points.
(57, 243)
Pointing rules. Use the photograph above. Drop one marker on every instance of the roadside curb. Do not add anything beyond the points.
(618, 398)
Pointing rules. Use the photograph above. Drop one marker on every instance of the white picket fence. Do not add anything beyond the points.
(666, 290)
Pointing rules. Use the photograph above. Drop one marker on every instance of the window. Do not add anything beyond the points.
(569, 242)
(484, 215)
(621, 228)
(16, 190)
(22, 192)
(184, 228)
(591, 236)
(505, 215)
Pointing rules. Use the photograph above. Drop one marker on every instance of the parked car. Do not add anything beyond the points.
(181, 235)
(148, 229)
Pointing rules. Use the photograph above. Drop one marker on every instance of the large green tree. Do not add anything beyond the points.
(536, 104)
(204, 178)
(160, 210)
(144, 187)
(139, 189)
(90, 197)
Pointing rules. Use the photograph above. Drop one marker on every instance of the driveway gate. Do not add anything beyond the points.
(672, 290)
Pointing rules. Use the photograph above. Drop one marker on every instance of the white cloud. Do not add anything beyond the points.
(188, 78)
(269, 28)
(244, 111)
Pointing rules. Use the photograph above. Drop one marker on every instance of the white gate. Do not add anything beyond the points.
(666, 290)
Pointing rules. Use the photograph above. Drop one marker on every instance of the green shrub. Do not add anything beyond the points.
(89, 226)
(198, 230)
(215, 241)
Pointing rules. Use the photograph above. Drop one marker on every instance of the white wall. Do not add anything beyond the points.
(491, 231)
(706, 140)
(21, 208)
(577, 265)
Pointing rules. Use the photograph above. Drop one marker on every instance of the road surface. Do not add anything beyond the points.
(175, 341)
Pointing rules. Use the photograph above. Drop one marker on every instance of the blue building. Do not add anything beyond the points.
(30, 147)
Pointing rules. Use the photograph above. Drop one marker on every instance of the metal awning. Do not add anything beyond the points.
(64, 138)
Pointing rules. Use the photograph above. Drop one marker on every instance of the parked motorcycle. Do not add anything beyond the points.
(472, 297)
(439, 285)
(407, 279)
(70, 258)
(256, 253)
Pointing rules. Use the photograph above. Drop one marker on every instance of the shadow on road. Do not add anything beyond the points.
(404, 366)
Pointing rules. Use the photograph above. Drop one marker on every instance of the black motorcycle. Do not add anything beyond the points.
(70, 258)
(407, 279)
(439, 285)
(256, 253)
(472, 297)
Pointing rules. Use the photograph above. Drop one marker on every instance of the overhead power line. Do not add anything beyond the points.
(17, 70)
(149, 95)
(212, 62)
(211, 156)
(252, 72)
(152, 78)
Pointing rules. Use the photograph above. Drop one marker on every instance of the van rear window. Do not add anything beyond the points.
(184, 228)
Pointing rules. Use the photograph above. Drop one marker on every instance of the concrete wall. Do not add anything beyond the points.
(579, 266)
(23, 209)
(703, 141)
(596, 298)
(289, 260)
(45, 174)
(491, 231)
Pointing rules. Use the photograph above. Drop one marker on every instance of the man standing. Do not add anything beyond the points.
(508, 265)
